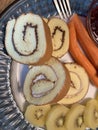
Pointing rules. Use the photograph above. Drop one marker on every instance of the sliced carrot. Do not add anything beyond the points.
(79, 56)
(88, 45)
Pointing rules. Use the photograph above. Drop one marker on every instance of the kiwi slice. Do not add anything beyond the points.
(74, 118)
(56, 118)
(36, 115)
(91, 114)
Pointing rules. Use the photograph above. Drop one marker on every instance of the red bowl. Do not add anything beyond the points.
(92, 21)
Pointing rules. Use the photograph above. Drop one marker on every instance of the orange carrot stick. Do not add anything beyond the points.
(79, 57)
(85, 41)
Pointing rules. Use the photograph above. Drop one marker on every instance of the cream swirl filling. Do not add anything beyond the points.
(26, 42)
(58, 42)
(60, 36)
(75, 87)
(41, 85)
(45, 89)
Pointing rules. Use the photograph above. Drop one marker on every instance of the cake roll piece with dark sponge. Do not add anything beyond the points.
(46, 83)
(28, 39)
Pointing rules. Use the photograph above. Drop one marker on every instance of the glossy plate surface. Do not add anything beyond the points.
(12, 101)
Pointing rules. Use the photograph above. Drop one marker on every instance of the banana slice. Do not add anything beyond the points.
(56, 118)
(74, 118)
(36, 115)
(79, 84)
(91, 114)
(60, 36)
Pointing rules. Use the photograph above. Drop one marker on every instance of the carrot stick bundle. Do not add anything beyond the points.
(85, 41)
(79, 57)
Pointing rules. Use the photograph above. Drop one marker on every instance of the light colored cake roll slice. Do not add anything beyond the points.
(28, 39)
(46, 83)
(79, 84)
(60, 36)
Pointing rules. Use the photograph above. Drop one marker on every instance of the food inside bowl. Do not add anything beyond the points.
(92, 21)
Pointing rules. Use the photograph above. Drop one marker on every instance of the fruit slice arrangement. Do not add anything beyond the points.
(60, 117)
(79, 84)
(43, 84)
(28, 42)
(60, 36)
